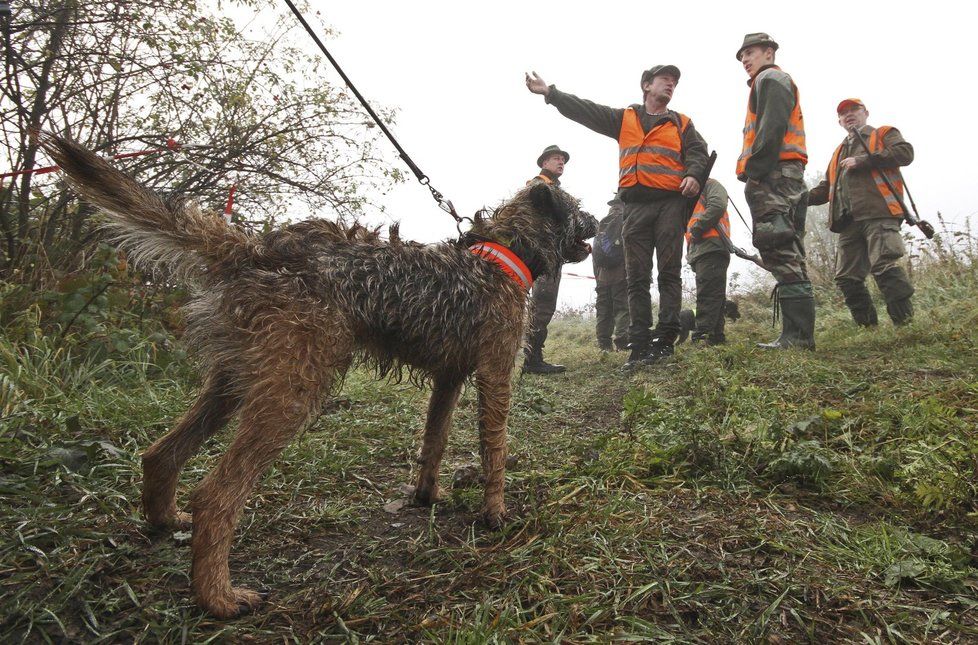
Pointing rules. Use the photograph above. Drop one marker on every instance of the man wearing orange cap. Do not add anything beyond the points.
(660, 156)
(867, 215)
(772, 164)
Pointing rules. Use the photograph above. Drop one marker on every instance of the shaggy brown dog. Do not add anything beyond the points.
(278, 319)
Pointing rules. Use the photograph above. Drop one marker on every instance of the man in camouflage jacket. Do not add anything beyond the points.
(773, 166)
(867, 216)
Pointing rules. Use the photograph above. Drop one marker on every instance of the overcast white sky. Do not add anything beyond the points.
(454, 71)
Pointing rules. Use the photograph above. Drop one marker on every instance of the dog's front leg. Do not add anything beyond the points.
(494, 399)
(444, 397)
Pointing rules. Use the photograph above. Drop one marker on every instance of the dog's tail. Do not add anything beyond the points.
(155, 231)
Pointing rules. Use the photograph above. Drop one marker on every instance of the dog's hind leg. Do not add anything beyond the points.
(163, 461)
(277, 406)
(444, 397)
(493, 379)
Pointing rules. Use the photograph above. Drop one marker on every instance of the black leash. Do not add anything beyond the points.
(444, 204)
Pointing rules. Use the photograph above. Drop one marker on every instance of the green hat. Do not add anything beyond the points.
(760, 38)
(656, 70)
(550, 150)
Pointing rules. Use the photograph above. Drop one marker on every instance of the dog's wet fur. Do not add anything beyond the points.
(278, 319)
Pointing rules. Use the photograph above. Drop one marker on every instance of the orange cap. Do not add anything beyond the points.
(847, 103)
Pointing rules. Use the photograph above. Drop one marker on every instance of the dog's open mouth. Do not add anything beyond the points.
(579, 251)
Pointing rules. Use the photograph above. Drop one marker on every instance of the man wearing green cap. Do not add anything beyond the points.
(867, 215)
(772, 164)
(543, 300)
(660, 156)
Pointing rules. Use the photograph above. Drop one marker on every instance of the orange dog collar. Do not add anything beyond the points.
(508, 261)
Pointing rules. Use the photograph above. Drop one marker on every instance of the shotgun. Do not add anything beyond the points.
(736, 250)
(912, 218)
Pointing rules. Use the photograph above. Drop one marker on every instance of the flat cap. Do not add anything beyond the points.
(656, 70)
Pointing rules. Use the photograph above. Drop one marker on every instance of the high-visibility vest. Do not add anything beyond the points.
(893, 174)
(793, 144)
(698, 211)
(653, 159)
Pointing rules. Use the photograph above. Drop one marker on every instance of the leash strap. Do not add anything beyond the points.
(444, 204)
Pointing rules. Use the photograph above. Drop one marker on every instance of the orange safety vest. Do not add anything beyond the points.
(698, 211)
(893, 202)
(546, 180)
(653, 159)
(793, 144)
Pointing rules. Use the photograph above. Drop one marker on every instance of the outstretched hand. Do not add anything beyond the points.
(536, 84)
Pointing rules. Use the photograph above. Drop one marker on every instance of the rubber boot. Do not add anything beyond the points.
(859, 302)
(797, 317)
(901, 311)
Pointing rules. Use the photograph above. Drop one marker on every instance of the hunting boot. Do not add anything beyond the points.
(534, 363)
(860, 303)
(901, 311)
(605, 345)
(638, 356)
(661, 348)
(896, 289)
(797, 304)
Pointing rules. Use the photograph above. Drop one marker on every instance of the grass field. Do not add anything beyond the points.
(732, 495)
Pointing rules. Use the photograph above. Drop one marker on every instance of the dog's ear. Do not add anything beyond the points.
(543, 200)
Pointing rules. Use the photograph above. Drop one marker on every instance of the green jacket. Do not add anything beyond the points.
(856, 195)
(715, 196)
(607, 121)
(772, 99)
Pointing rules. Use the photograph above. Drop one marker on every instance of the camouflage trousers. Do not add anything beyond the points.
(611, 307)
(778, 204)
(654, 229)
(543, 304)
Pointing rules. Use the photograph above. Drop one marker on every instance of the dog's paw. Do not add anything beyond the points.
(238, 602)
(427, 496)
(176, 521)
(494, 518)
